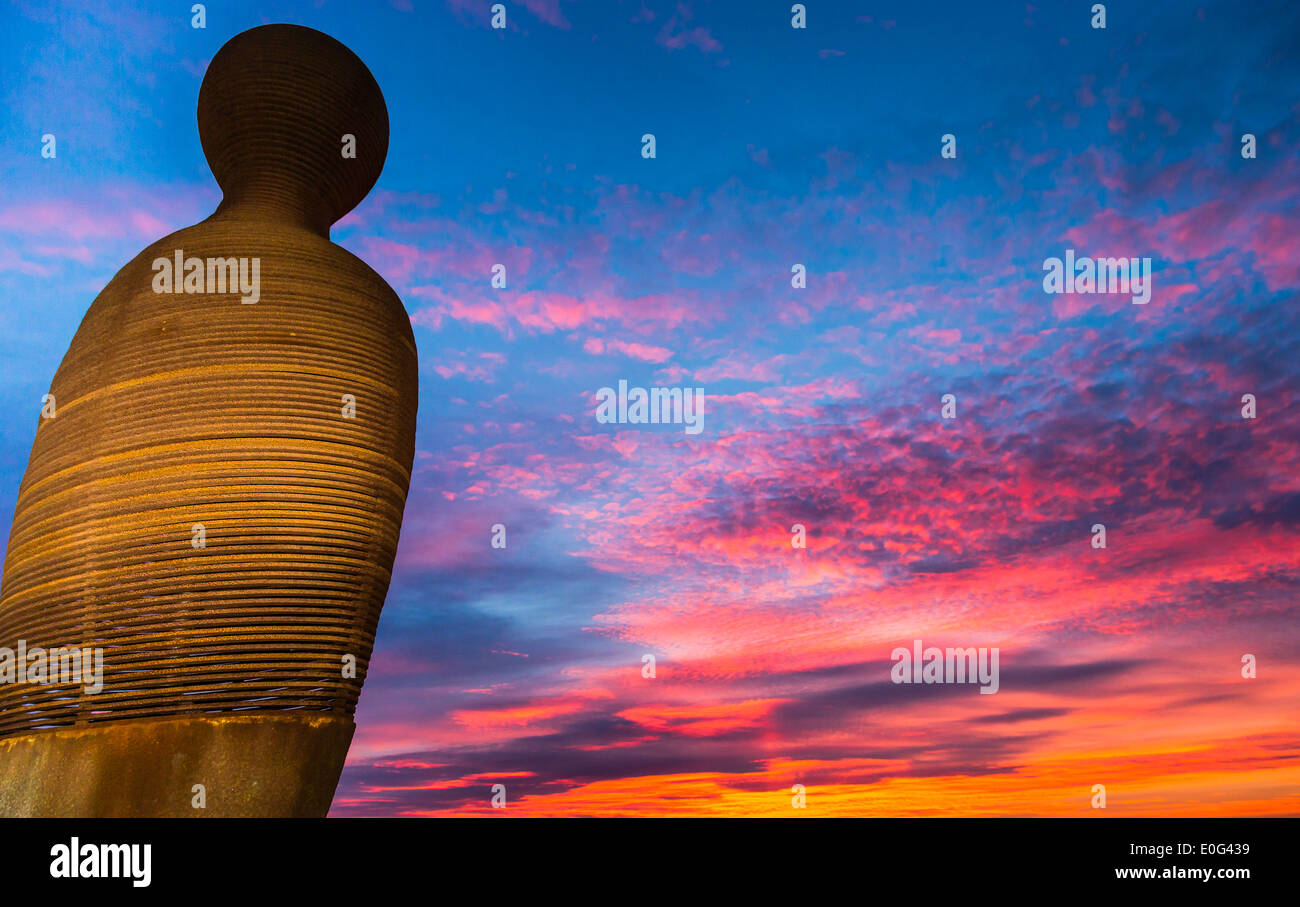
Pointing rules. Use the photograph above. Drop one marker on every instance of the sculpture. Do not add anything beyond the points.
(214, 499)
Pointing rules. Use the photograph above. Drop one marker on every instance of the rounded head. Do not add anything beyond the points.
(274, 108)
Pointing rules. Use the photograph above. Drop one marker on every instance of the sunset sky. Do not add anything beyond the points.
(522, 666)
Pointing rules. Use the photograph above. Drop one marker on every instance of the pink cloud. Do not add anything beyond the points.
(644, 352)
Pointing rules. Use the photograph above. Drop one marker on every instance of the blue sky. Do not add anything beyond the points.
(775, 146)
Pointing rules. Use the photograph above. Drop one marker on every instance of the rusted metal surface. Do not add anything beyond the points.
(261, 765)
(177, 410)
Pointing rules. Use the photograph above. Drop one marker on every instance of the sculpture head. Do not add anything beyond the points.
(274, 107)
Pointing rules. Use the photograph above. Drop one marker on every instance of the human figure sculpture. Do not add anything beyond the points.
(216, 487)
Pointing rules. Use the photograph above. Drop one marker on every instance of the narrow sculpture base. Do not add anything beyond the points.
(255, 765)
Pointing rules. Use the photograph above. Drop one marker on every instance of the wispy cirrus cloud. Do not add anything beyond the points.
(524, 665)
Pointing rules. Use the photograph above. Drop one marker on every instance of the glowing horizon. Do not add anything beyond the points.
(522, 665)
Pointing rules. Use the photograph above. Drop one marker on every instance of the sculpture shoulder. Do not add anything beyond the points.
(288, 265)
(381, 285)
(223, 284)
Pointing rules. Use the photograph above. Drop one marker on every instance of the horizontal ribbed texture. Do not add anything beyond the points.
(274, 107)
(180, 409)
